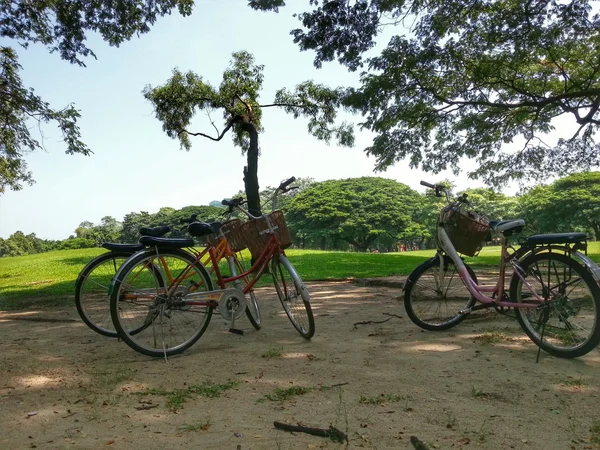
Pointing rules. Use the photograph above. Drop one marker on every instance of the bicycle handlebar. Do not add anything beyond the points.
(286, 183)
(237, 202)
(233, 202)
(292, 188)
(429, 185)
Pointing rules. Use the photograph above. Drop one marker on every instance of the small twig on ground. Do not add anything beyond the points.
(146, 407)
(368, 322)
(332, 433)
(334, 385)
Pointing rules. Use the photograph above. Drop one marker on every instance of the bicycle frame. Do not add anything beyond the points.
(258, 268)
(214, 254)
(498, 289)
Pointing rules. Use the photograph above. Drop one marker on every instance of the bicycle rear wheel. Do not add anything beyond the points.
(92, 296)
(434, 295)
(160, 319)
(568, 324)
(293, 295)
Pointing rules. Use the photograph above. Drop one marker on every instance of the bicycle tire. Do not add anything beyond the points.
(563, 343)
(252, 308)
(413, 289)
(290, 289)
(160, 313)
(93, 304)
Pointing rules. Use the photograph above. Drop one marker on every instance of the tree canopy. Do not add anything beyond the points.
(61, 26)
(237, 98)
(355, 210)
(570, 203)
(463, 78)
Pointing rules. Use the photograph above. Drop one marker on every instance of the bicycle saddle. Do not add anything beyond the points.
(202, 228)
(556, 238)
(507, 227)
(127, 248)
(166, 242)
(154, 231)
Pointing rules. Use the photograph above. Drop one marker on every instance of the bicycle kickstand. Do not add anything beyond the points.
(545, 317)
(232, 328)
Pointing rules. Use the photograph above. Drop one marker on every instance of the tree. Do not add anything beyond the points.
(467, 77)
(185, 94)
(85, 230)
(355, 210)
(62, 27)
(108, 230)
(568, 204)
(493, 205)
(132, 222)
(19, 243)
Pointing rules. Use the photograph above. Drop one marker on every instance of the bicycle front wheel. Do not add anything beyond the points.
(566, 324)
(293, 295)
(92, 296)
(434, 294)
(161, 318)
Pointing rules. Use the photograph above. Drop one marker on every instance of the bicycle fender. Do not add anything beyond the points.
(590, 265)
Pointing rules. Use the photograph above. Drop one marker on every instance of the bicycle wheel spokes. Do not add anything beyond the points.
(153, 307)
(435, 294)
(293, 296)
(568, 321)
(92, 292)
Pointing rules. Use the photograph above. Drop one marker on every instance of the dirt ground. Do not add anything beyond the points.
(475, 386)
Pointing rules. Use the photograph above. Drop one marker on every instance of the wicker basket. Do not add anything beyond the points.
(256, 232)
(230, 230)
(467, 230)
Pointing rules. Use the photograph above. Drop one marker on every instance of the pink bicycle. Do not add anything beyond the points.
(554, 288)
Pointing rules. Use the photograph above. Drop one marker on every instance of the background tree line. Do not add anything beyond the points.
(357, 214)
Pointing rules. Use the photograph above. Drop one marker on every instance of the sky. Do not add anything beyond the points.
(135, 166)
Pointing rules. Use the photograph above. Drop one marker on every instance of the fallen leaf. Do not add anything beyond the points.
(111, 442)
(30, 414)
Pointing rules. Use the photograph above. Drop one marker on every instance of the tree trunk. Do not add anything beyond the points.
(251, 171)
(596, 228)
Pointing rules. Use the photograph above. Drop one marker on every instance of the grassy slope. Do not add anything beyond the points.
(50, 277)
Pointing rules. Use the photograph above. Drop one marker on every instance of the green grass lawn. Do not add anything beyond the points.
(49, 278)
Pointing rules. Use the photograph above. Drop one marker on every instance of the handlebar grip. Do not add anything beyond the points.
(426, 184)
(232, 202)
(286, 183)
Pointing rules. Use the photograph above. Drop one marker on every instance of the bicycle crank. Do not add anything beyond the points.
(232, 304)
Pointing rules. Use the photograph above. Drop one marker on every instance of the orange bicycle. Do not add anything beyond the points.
(165, 315)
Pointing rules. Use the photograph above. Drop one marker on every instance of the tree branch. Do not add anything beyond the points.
(220, 136)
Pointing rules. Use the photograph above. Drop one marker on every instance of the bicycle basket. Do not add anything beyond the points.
(467, 230)
(231, 231)
(256, 232)
(235, 239)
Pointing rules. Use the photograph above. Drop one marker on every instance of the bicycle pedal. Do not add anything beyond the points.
(236, 331)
